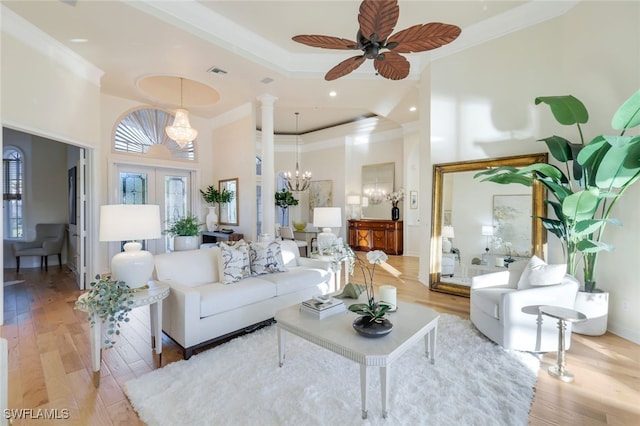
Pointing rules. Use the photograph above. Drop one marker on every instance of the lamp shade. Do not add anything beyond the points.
(353, 199)
(128, 222)
(327, 217)
(487, 230)
(447, 232)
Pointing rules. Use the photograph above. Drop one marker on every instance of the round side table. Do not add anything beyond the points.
(563, 315)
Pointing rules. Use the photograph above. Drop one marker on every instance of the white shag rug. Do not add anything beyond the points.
(473, 382)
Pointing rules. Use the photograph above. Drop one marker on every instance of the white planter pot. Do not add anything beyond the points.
(185, 243)
(212, 219)
(596, 307)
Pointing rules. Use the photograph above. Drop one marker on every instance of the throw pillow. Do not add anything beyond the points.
(538, 273)
(235, 261)
(266, 258)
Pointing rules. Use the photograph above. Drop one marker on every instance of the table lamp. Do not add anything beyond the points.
(447, 232)
(353, 201)
(326, 218)
(130, 222)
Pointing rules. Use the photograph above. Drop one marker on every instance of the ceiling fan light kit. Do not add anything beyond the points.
(377, 19)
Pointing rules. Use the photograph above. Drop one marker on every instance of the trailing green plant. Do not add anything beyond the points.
(188, 226)
(108, 301)
(595, 176)
(214, 196)
(284, 199)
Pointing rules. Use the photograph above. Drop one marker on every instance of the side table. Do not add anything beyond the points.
(152, 296)
(563, 315)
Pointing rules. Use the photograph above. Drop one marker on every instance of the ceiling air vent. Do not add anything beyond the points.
(216, 70)
(267, 80)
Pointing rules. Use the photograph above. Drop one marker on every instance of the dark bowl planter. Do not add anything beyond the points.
(367, 328)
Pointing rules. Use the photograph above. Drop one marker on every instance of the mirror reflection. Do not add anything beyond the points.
(480, 227)
(377, 181)
(229, 211)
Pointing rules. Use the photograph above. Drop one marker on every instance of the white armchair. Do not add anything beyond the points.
(504, 307)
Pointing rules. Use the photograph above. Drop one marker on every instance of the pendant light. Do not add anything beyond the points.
(181, 131)
(297, 181)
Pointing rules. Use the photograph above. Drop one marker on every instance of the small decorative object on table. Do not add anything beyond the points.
(108, 301)
(394, 198)
(372, 322)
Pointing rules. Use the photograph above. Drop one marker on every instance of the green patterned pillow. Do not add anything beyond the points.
(266, 258)
(235, 261)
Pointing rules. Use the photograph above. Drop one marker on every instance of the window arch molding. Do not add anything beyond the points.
(140, 131)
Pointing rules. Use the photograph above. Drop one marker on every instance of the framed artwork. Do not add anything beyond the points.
(320, 195)
(446, 217)
(512, 221)
(73, 203)
(413, 199)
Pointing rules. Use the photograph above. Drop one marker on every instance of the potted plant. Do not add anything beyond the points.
(595, 176)
(108, 301)
(185, 232)
(284, 199)
(214, 197)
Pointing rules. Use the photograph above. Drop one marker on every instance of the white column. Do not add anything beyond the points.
(268, 167)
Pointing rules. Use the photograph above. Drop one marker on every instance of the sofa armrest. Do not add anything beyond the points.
(314, 263)
(494, 279)
(181, 310)
(563, 294)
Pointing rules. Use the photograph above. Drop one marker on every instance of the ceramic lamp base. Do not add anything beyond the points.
(133, 266)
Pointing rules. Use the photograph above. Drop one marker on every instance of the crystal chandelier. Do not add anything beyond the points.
(297, 181)
(181, 131)
(375, 195)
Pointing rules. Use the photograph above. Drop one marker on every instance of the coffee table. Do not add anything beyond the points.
(411, 322)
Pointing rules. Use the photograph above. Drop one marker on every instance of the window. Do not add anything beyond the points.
(142, 132)
(12, 168)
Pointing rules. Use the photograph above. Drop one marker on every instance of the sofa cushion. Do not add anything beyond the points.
(290, 253)
(234, 261)
(265, 258)
(297, 278)
(217, 297)
(190, 267)
(488, 300)
(538, 273)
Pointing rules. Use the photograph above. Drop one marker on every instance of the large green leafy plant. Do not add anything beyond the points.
(591, 180)
(284, 199)
(215, 196)
(187, 226)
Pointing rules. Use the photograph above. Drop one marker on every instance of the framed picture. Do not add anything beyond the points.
(320, 195)
(413, 199)
(512, 222)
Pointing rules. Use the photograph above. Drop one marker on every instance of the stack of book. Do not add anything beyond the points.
(323, 310)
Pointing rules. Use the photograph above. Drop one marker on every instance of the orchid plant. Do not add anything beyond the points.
(395, 197)
(373, 309)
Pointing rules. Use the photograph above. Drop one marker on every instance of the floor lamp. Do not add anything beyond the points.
(130, 222)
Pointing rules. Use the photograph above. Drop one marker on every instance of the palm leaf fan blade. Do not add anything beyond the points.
(392, 66)
(326, 42)
(378, 17)
(344, 67)
(420, 38)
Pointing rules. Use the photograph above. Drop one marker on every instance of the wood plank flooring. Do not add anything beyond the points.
(50, 366)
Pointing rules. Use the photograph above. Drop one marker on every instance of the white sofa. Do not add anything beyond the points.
(505, 308)
(200, 309)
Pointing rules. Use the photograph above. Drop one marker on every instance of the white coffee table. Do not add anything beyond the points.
(411, 322)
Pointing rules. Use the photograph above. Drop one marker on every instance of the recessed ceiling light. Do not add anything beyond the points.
(79, 40)
(333, 93)
(412, 109)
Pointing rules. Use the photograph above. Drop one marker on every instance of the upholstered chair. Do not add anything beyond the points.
(504, 305)
(49, 240)
(286, 233)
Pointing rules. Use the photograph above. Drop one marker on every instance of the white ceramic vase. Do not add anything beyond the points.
(212, 219)
(596, 307)
(181, 243)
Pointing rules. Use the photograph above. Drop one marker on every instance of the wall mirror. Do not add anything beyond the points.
(377, 180)
(229, 211)
(472, 222)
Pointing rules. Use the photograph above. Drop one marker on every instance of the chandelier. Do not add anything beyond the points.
(297, 181)
(181, 131)
(375, 195)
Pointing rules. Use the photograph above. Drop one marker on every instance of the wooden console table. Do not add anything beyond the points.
(214, 237)
(376, 234)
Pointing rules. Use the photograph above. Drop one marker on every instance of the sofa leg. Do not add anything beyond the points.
(46, 263)
(60, 260)
(187, 352)
(17, 264)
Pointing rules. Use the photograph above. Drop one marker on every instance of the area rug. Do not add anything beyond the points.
(14, 282)
(473, 382)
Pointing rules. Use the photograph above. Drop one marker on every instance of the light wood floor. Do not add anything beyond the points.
(50, 367)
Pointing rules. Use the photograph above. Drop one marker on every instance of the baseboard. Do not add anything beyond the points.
(625, 333)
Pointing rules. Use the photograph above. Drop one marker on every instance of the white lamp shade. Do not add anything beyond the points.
(128, 222)
(353, 199)
(327, 217)
(447, 232)
(487, 230)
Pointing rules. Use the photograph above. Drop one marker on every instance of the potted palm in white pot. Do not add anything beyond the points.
(595, 177)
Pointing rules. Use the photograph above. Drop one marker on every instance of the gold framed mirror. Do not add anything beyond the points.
(229, 211)
(475, 218)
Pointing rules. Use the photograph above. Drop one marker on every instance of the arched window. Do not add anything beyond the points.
(142, 131)
(12, 169)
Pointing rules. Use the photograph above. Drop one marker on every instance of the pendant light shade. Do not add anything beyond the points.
(181, 131)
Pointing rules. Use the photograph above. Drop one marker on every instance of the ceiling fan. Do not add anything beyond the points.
(377, 19)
